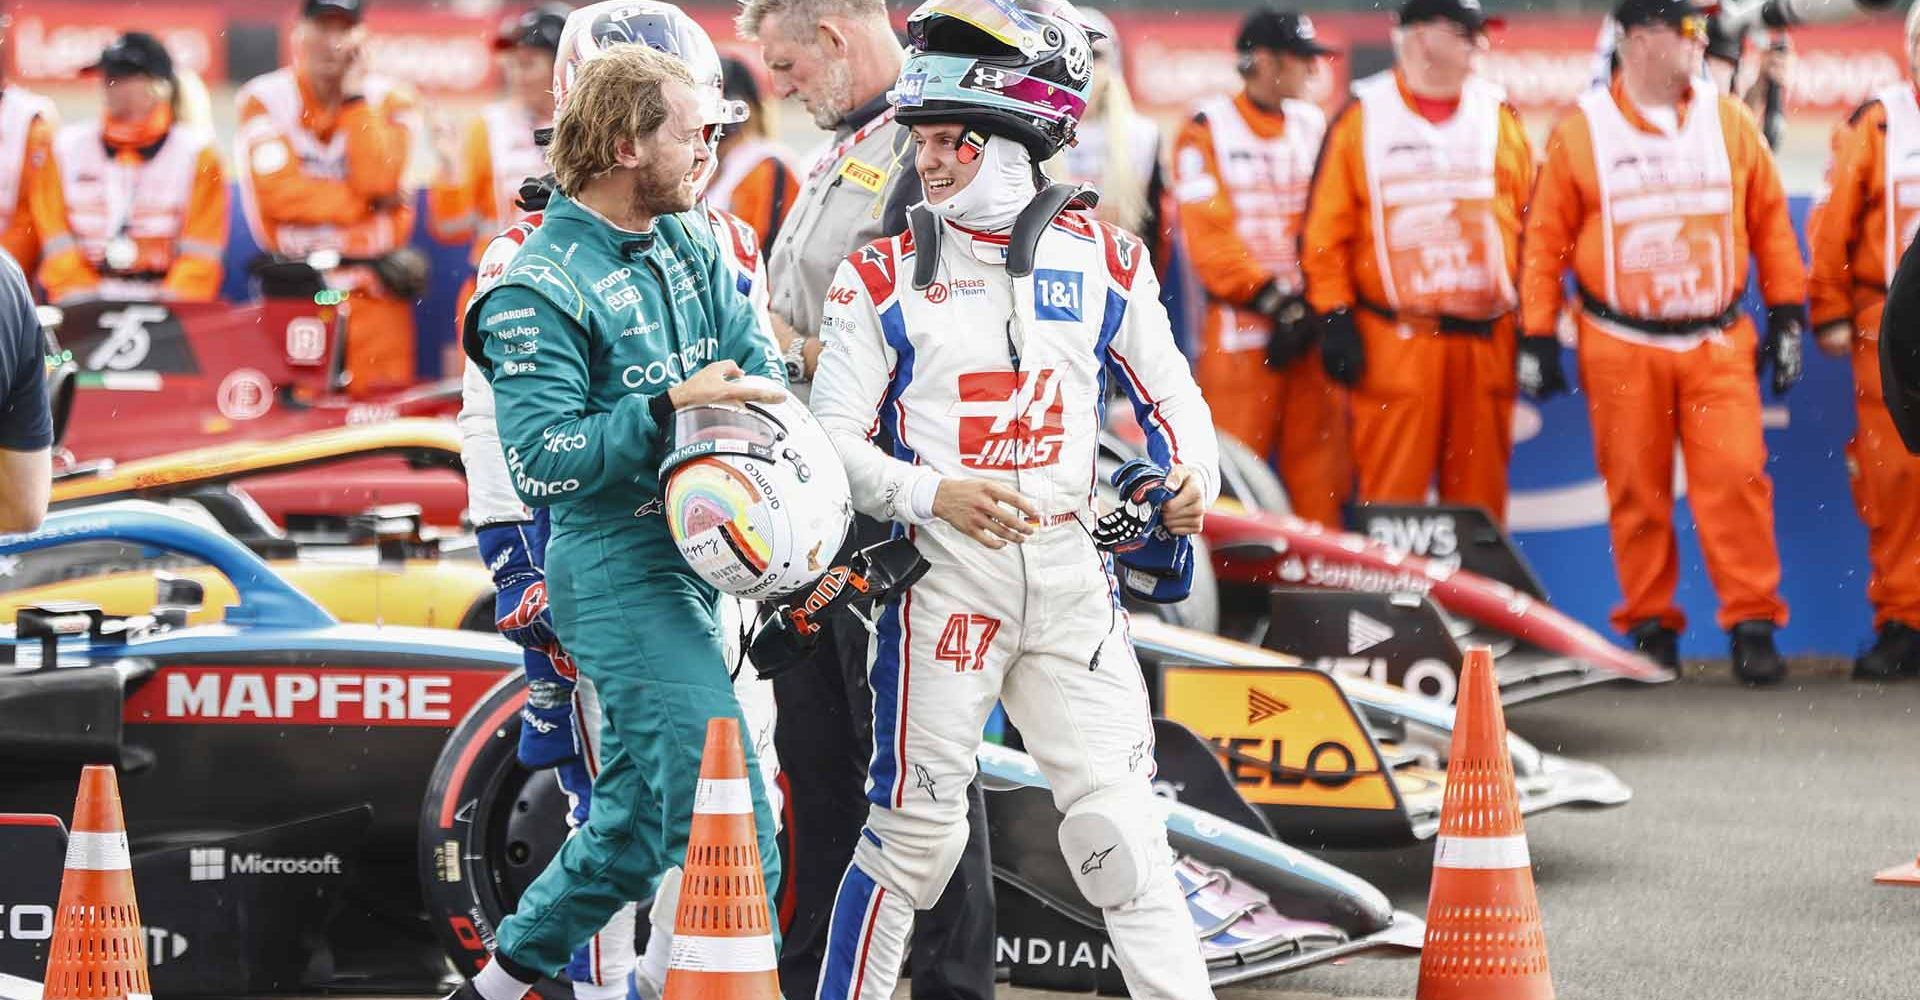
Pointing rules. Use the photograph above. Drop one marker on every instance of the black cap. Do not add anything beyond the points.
(1280, 30)
(135, 53)
(538, 28)
(1674, 12)
(352, 10)
(1465, 13)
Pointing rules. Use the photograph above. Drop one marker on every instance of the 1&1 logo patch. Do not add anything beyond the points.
(1056, 294)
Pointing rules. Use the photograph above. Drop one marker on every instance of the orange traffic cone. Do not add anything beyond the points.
(98, 950)
(1907, 874)
(722, 941)
(1484, 938)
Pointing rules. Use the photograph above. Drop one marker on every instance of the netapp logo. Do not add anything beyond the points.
(213, 864)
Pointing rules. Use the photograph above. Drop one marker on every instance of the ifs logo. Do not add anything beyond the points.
(1010, 420)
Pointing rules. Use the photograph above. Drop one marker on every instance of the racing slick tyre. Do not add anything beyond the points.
(488, 826)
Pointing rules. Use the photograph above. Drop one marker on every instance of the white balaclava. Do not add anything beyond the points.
(993, 199)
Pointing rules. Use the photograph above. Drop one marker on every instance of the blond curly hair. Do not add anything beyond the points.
(618, 95)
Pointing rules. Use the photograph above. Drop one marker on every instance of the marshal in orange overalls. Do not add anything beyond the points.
(1867, 222)
(1241, 175)
(317, 177)
(1414, 226)
(1661, 240)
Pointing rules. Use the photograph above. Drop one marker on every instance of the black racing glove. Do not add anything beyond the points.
(1785, 345)
(1340, 349)
(403, 272)
(1537, 368)
(535, 192)
(1293, 327)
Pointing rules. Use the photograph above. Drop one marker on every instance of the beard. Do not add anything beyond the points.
(656, 195)
(836, 96)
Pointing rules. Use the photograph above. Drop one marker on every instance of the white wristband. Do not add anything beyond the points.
(920, 502)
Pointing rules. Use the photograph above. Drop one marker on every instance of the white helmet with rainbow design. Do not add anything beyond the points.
(755, 496)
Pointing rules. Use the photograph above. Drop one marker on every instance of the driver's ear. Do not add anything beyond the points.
(626, 152)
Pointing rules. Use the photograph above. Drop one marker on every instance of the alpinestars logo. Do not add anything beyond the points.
(1364, 633)
(1262, 706)
(1010, 420)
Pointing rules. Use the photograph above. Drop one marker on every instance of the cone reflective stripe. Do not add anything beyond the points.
(722, 940)
(1907, 874)
(1484, 936)
(98, 951)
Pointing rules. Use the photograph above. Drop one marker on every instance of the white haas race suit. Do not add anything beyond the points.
(490, 494)
(986, 375)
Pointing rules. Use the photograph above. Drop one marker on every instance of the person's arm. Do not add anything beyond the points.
(379, 137)
(537, 361)
(1776, 250)
(1513, 180)
(1835, 232)
(849, 390)
(1554, 216)
(282, 192)
(490, 495)
(64, 269)
(26, 427)
(744, 337)
(195, 273)
(459, 192)
(1149, 367)
(1334, 204)
(1214, 248)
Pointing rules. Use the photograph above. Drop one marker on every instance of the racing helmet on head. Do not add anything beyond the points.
(1022, 69)
(755, 496)
(664, 27)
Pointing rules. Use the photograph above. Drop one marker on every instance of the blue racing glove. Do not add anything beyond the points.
(516, 553)
(1154, 565)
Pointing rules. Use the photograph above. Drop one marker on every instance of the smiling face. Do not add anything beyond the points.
(669, 164)
(945, 161)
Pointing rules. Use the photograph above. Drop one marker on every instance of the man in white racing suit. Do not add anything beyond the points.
(985, 340)
(560, 724)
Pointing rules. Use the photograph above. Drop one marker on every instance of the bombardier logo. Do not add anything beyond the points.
(1364, 633)
(301, 696)
(1262, 706)
(1010, 420)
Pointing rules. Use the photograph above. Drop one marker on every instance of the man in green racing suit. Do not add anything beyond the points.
(617, 311)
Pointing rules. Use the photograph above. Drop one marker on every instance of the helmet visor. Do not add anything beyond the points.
(730, 430)
(999, 19)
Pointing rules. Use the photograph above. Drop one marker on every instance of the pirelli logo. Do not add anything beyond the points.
(865, 175)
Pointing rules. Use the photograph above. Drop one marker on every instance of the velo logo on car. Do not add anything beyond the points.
(304, 696)
(1056, 294)
(1010, 420)
(215, 864)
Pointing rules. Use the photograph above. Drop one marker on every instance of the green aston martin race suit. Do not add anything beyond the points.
(589, 325)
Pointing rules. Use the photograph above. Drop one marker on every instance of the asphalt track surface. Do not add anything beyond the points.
(1741, 869)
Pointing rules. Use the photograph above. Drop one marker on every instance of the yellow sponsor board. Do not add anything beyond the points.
(1286, 736)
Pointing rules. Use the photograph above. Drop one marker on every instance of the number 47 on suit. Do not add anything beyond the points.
(965, 641)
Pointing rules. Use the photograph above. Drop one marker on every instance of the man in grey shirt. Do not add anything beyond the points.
(839, 57)
(26, 426)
